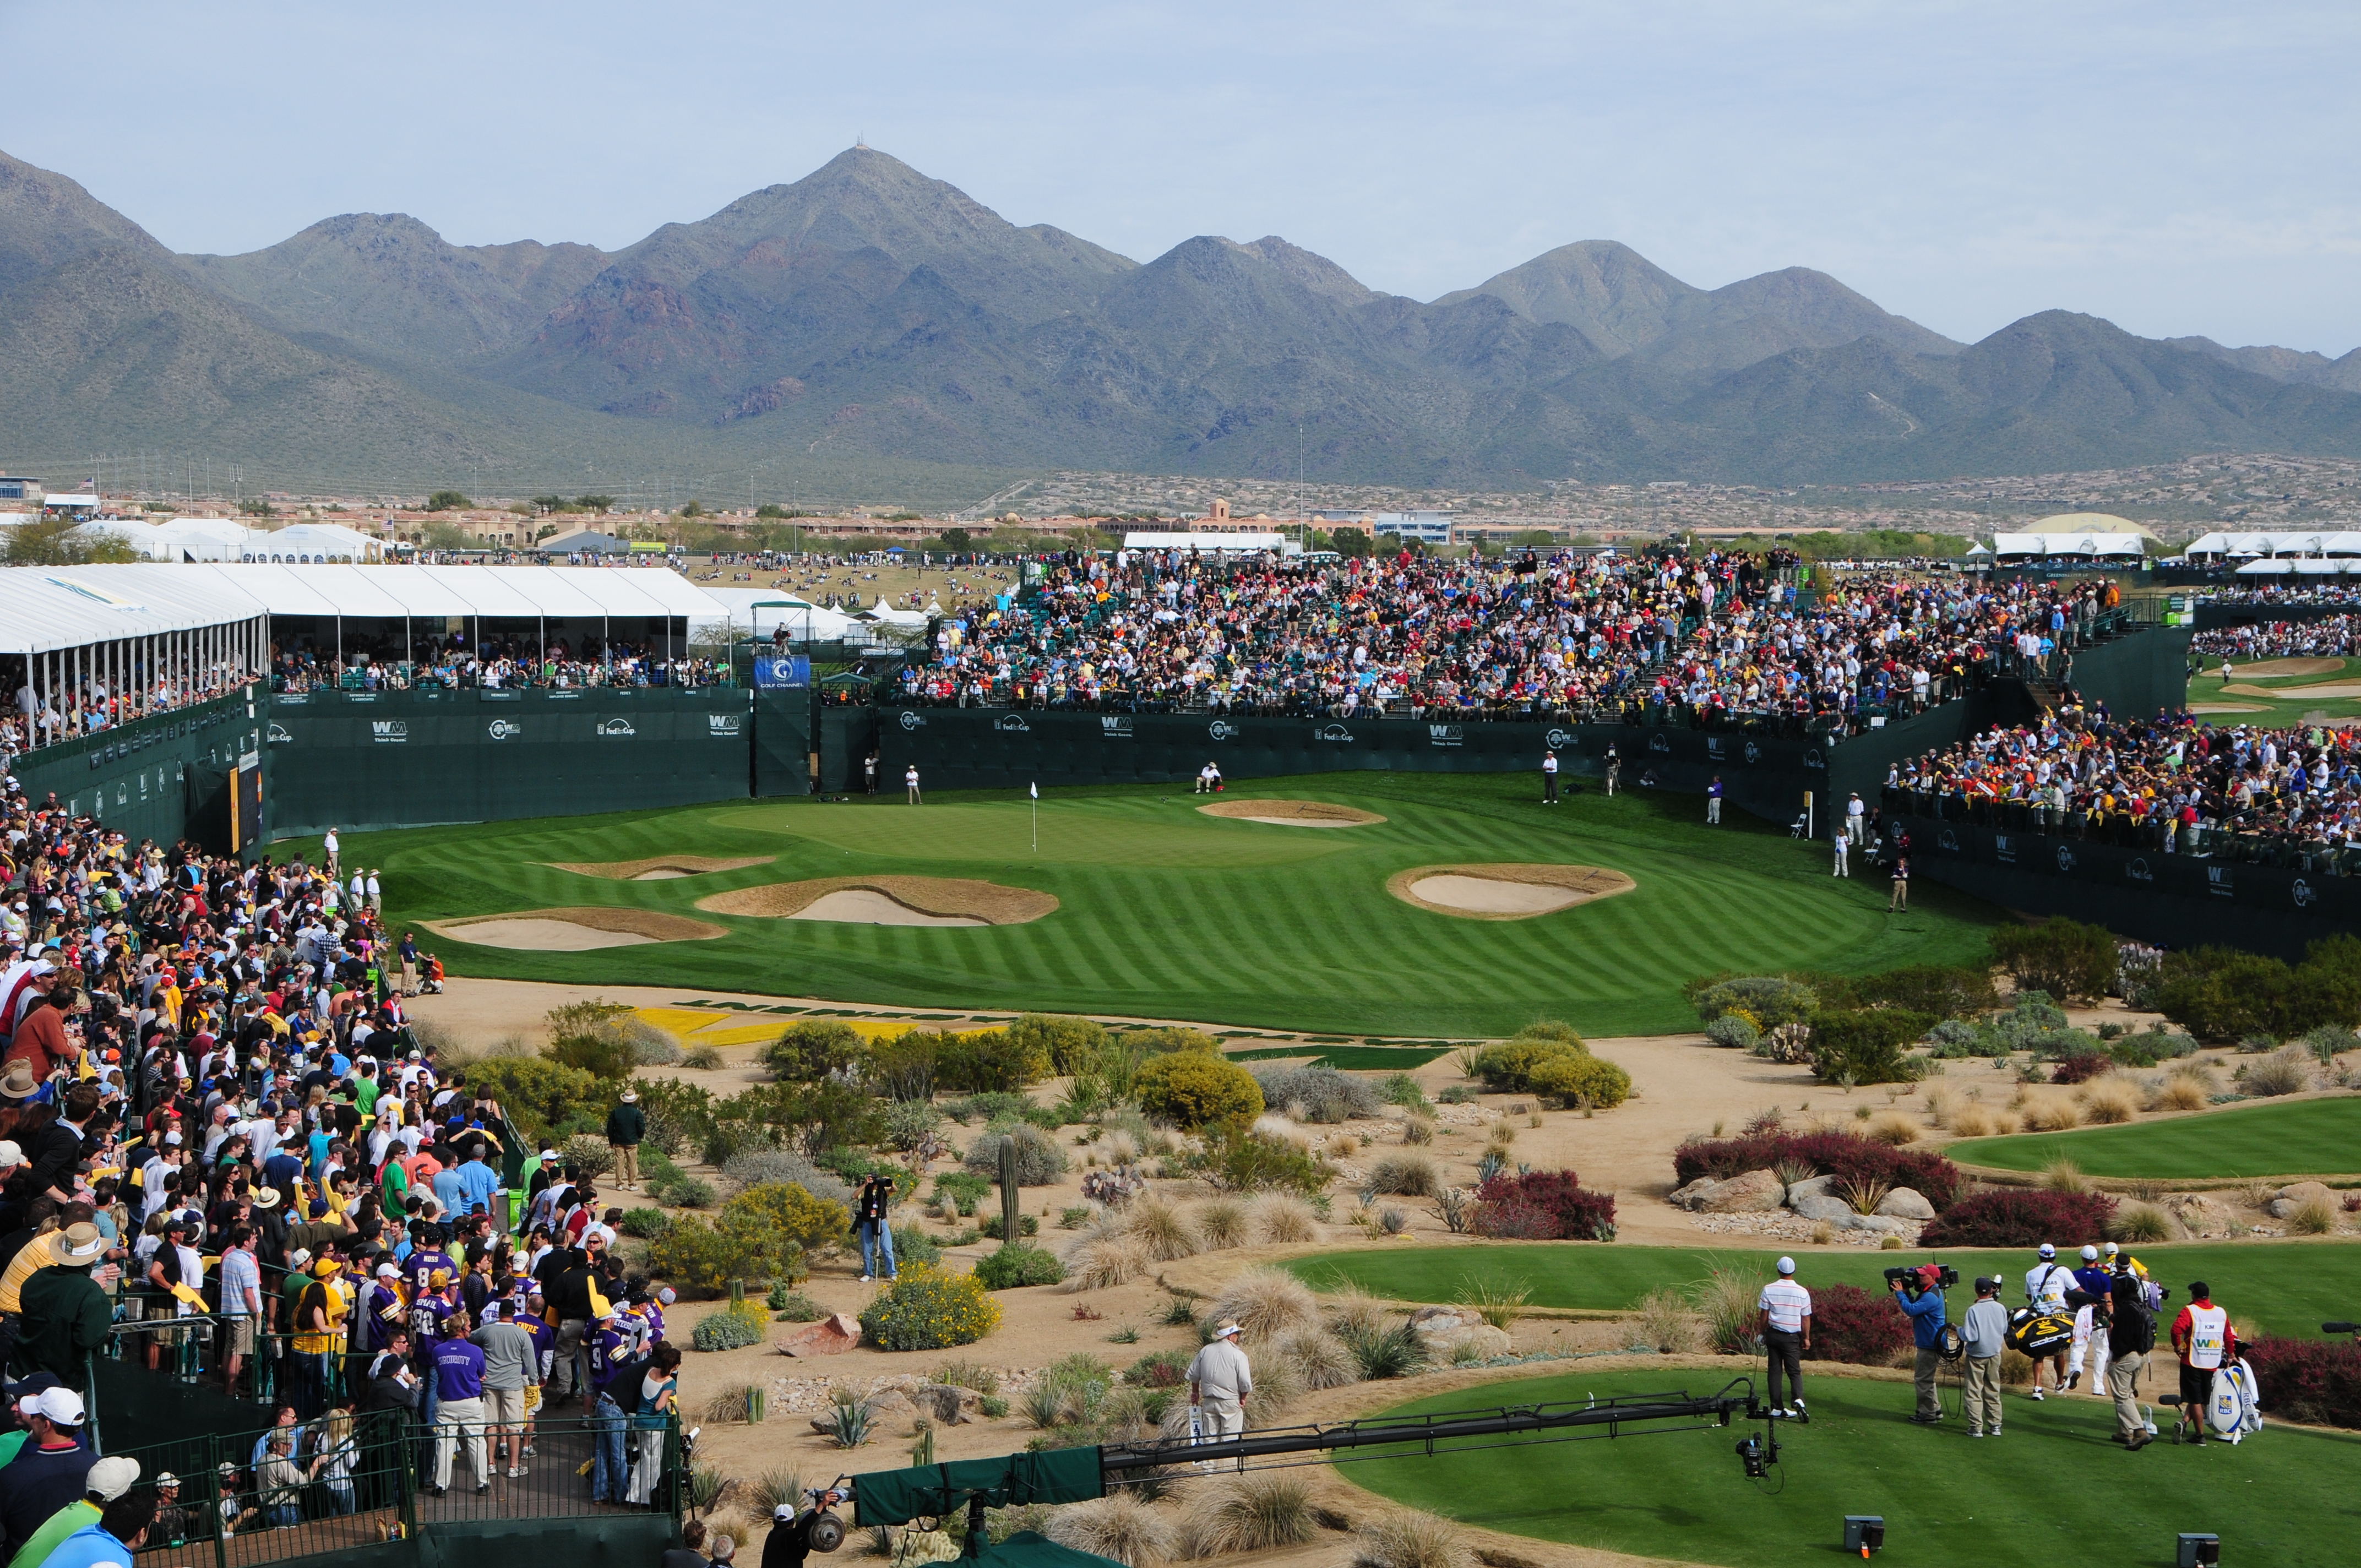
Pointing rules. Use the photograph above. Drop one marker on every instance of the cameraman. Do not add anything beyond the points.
(1925, 1306)
(789, 1543)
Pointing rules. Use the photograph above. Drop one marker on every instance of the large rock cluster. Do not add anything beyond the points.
(1817, 1199)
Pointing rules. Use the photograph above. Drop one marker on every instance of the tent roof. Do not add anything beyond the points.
(2318, 541)
(2066, 544)
(43, 608)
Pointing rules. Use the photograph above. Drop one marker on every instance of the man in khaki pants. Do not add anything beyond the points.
(1219, 1382)
(1985, 1330)
(626, 1125)
(2131, 1334)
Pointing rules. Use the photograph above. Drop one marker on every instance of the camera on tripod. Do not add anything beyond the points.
(1915, 1281)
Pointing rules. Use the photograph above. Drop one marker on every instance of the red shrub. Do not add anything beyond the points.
(1849, 1323)
(2310, 1380)
(1569, 1210)
(1829, 1153)
(1514, 1220)
(2082, 1068)
(2020, 1216)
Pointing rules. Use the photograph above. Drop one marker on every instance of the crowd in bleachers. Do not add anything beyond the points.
(497, 664)
(1723, 636)
(2336, 637)
(38, 718)
(2309, 591)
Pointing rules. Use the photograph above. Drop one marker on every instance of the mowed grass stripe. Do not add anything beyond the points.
(2307, 1137)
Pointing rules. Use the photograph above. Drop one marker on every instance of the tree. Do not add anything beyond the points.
(957, 541)
(594, 503)
(1350, 542)
(448, 536)
(551, 503)
(2062, 957)
(448, 501)
(693, 509)
(61, 542)
(256, 509)
(774, 509)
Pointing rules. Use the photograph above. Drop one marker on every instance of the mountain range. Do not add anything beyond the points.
(879, 325)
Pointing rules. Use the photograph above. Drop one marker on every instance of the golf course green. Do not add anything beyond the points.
(2285, 1287)
(2053, 1489)
(2305, 1137)
(1167, 913)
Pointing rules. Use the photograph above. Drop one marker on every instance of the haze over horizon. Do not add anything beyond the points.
(2178, 172)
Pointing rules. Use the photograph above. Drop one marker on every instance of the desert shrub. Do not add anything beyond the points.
(1734, 1032)
(2222, 994)
(1405, 1175)
(1121, 1527)
(1840, 1155)
(1017, 1264)
(543, 1098)
(1316, 1095)
(766, 1166)
(1383, 1352)
(813, 1049)
(2064, 957)
(926, 1309)
(1866, 1045)
(1509, 1207)
(910, 1124)
(963, 1190)
(1097, 1262)
(645, 1222)
(2314, 1381)
(732, 1328)
(1581, 1080)
(1895, 1129)
(1027, 1225)
(2016, 1216)
(990, 1059)
(1067, 1044)
(1942, 991)
(1319, 1357)
(2052, 1117)
(1265, 1303)
(1277, 1218)
(2140, 1223)
(1196, 1090)
(1039, 1160)
(2082, 1068)
(1955, 1037)
(1235, 1159)
(1404, 1538)
(1852, 1324)
(1253, 1513)
(793, 1306)
(1164, 1232)
(2281, 1072)
(588, 1153)
(1509, 1065)
(589, 1036)
(777, 1211)
(1770, 1001)
(1222, 1224)
(2107, 1104)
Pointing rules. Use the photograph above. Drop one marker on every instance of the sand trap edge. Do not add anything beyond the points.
(1594, 883)
(1292, 813)
(986, 901)
(629, 871)
(652, 923)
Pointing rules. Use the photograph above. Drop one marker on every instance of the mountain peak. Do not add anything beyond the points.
(45, 218)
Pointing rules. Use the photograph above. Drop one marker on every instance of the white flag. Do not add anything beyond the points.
(1036, 789)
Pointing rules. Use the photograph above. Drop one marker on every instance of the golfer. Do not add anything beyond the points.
(1786, 1324)
(1985, 1330)
(2207, 1342)
(1614, 767)
(1713, 801)
(869, 773)
(910, 778)
(1219, 1382)
(2046, 1284)
(1549, 779)
(2094, 1284)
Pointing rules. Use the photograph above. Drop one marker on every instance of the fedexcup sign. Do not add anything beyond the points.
(615, 727)
(504, 729)
(2138, 870)
(1660, 742)
(1012, 724)
(1336, 732)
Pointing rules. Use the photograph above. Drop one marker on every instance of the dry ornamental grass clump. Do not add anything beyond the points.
(1894, 1127)
(2064, 1176)
(2052, 1116)
(1281, 1218)
(1404, 1538)
(1222, 1224)
(1971, 1121)
(1266, 1303)
(1096, 1262)
(1164, 1233)
(1353, 1311)
(1320, 1358)
(1404, 1175)
(2177, 1093)
(1253, 1513)
(1119, 1526)
(2106, 1104)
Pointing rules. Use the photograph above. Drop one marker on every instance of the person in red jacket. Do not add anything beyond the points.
(2207, 1342)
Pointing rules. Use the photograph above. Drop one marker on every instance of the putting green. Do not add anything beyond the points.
(2285, 1287)
(2307, 1137)
(2052, 1489)
(1167, 913)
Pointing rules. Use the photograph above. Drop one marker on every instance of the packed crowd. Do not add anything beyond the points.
(2310, 592)
(2169, 782)
(498, 663)
(38, 716)
(2336, 637)
(1720, 636)
(202, 1060)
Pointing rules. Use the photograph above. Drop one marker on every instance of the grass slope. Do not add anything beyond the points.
(2288, 1288)
(2284, 1499)
(2287, 704)
(2309, 1137)
(1167, 913)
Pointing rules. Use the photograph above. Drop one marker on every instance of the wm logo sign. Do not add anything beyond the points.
(390, 731)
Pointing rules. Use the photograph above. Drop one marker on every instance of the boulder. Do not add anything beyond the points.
(1755, 1192)
(1812, 1187)
(888, 1403)
(1488, 1341)
(1884, 1223)
(832, 1335)
(1819, 1206)
(2288, 1199)
(944, 1404)
(1904, 1203)
(1691, 1196)
(1440, 1319)
(2204, 1218)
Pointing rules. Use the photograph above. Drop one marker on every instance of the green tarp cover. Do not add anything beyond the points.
(936, 1491)
(1027, 1549)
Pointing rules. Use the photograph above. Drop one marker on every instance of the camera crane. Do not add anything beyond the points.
(1070, 1476)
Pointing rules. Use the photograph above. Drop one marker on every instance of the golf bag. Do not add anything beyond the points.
(2038, 1334)
(2234, 1407)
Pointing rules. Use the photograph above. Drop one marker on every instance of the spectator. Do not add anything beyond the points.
(870, 1204)
(109, 1479)
(121, 1530)
(1220, 1381)
(49, 1470)
(1985, 1330)
(1925, 1309)
(688, 1554)
(2131, 1335)
(66, 1313)
(789, 1545)
(626, 1125)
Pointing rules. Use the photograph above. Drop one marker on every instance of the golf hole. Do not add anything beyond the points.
(577, 930)
(1292, 813)
(886, 901)
(1505, 892)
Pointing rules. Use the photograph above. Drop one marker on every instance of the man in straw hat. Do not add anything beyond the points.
(66, 1313)
(49, 1470)
(1219, 1382)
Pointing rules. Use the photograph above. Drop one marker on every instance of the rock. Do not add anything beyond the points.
(889, 1403)
(1882, 1223)
(1439, 1319)
(1692, 1196)
(832, 1335)
(1755, 1192)
(943, 1404)
(1835, 1211)
(2288, 1199)
(1488, 1341)
(1904, 1203)
(2203, 1217)
(1812, 1187)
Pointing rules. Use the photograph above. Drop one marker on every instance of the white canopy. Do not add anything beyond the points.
(1211, 544)
(2319, 541)
(2066, 544)
(760, 608)
(2302, 567)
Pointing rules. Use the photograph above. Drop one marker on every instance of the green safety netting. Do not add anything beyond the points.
(940, 1491)
(1027, 1549)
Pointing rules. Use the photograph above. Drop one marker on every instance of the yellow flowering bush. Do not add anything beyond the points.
(925, 1309)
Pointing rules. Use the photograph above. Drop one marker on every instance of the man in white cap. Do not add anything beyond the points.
(1786, 1322)
(2046, 1284)
(48, 1472)
(2093, 1284)
(109, 1479)
(1219, 1382)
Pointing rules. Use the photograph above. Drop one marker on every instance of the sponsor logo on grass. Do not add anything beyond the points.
(722, 723)
(1013, 724)
(1223, 730)
(1115, 726)
(2301, 891)
(2219, 883)
(390, 731)
(504, 729)
(1336, 732)
(912, 718)
(616, 727)
(1448, 734)
(2138, 870)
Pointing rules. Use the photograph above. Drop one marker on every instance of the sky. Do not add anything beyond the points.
(2177, 169)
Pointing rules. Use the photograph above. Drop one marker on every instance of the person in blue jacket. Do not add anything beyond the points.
(1925, 1309)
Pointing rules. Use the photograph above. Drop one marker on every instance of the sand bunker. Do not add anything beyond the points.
(1505, 892)
(919, 901)
(1292, 813)
(659, 868)
(2273, 669)
(577, 930)
(2224, 708)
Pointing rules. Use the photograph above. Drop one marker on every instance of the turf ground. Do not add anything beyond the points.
(2285, 1287)
(1169, 913)
(2309, 1137)
(2278, 700)
(2052, 1489)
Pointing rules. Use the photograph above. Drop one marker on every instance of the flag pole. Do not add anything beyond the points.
(1036, 788)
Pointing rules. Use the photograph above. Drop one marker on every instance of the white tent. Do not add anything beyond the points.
(313, 543)
(764, 610)
(2097, 545)
(2321, 542)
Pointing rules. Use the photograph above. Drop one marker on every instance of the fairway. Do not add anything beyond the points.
(1168, 913)
(2052, 1489)
(2310, 1137)
(2285, 1287)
